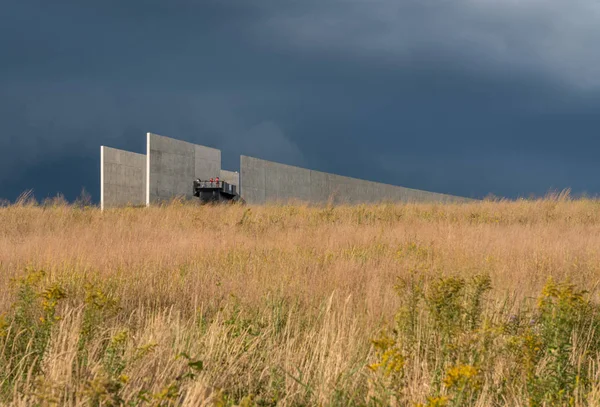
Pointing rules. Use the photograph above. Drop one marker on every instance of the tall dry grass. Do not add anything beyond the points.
(273, 305)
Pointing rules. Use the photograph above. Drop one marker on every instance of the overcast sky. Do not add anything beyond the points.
(467, 97)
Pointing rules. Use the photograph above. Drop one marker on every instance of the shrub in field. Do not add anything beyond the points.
(565, 335)
(453, 348)
(26, 331)
(101, 372)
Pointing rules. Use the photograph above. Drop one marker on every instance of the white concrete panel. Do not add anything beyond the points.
(173, 165)
(263, 180)
(122, 178)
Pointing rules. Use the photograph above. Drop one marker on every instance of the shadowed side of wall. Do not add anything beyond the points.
(122, 178)
(173, 165)
(264, 181)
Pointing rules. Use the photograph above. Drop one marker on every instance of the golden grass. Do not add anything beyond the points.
(279, 303)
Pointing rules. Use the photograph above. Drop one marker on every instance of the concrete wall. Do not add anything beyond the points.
(231, 177)
(172, 166)
(265, 181)
(122, 178)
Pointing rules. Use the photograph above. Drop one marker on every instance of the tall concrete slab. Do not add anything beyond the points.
(207, 162)
(172, 165)
(264, 181)
(122, 178)
(231, 177)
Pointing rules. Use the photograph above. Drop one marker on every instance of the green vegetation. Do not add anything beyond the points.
(541, 355)
(445, 333)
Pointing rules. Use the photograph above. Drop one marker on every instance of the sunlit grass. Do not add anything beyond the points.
(457, 304)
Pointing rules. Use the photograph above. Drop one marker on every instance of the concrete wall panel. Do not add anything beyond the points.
(122, 178)
(265, 181)
(254, 195)
(207, 162)
(254, 175)
(172, 165)
(231, 177)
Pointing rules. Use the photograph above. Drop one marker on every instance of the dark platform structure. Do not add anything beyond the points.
(215, 191)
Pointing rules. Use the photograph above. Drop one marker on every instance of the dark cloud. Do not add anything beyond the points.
(465, 97)
(545, 37)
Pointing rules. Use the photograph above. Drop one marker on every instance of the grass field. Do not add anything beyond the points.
(479, 304)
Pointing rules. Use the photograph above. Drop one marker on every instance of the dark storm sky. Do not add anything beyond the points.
(467, 97)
